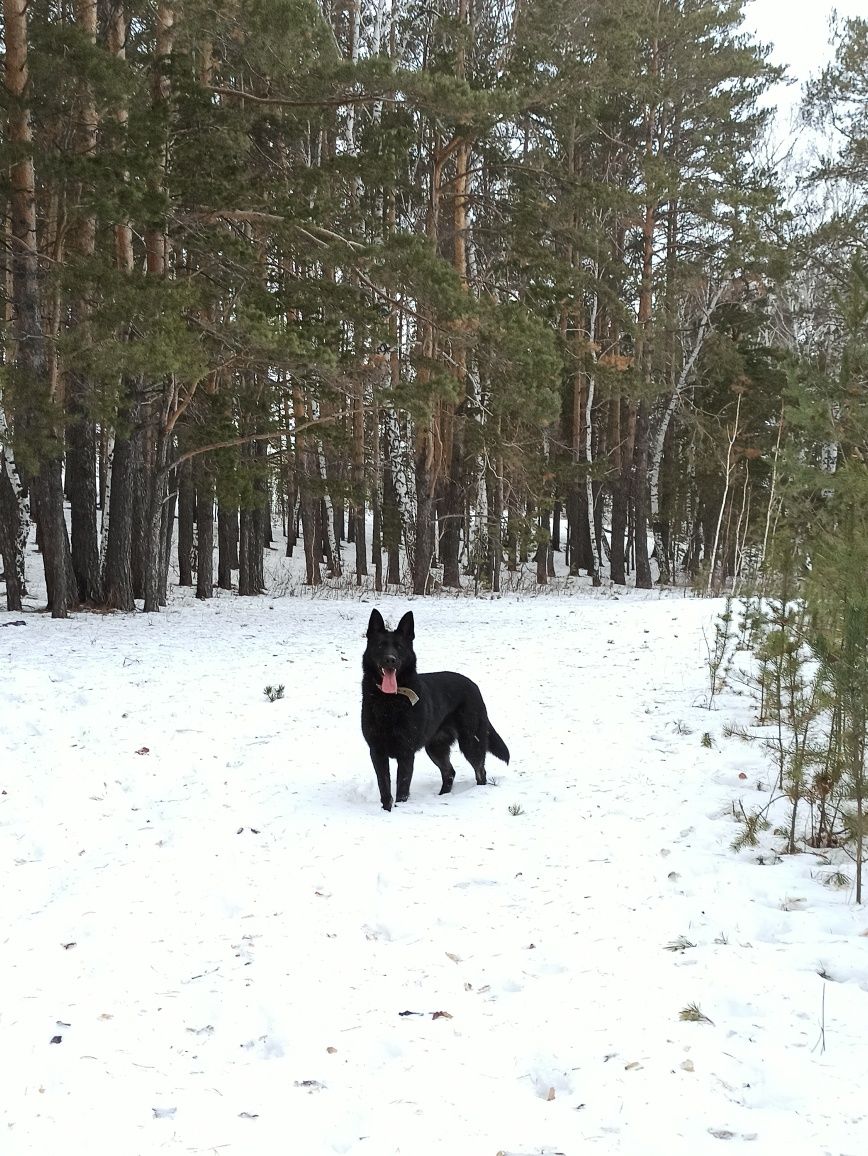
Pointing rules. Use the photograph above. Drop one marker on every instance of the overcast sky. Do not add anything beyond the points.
(798, 30)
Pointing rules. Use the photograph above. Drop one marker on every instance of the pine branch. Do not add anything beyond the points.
(246, 439)
(340, 101)
(245, 216)
(319, 234)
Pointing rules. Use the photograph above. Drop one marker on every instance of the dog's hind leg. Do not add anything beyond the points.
(474, 751)
(472, 726)
(405, 774)
(438, 752)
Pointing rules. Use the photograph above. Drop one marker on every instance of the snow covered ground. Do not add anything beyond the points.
(214, 940)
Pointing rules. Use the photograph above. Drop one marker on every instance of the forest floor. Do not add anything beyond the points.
(214, 940)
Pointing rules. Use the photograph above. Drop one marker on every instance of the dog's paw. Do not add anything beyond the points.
(402, 798)
(387, 804)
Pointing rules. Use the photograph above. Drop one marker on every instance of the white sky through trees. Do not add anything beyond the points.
(799, 33)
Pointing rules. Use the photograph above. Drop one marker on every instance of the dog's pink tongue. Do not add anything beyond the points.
(389, 684)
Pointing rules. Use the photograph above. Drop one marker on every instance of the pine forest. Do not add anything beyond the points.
(465, 284)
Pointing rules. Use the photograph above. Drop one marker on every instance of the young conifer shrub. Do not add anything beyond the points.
(718, 651)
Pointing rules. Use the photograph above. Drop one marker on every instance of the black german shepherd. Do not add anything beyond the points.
(403, 711)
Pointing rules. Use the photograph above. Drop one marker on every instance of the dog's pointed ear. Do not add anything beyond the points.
(406, 626)
(376, 625)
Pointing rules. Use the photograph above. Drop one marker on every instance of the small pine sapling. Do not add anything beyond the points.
(839, 595)
(718, 651)
(750, 623)
(752, 824)
(792, 697)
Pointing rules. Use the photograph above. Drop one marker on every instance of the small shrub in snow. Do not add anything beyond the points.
(732, 730)
(840, 880)
(752, 825)
(693, 1014)
(273, 693)
(682, 943)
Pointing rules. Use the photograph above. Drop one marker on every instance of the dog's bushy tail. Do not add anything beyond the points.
(496, 745)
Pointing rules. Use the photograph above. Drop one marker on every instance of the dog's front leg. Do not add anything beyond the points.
(384, 779)
(405, 774)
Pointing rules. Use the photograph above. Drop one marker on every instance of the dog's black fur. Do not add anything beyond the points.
(449, 707)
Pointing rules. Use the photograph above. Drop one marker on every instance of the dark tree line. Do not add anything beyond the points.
(489, 280)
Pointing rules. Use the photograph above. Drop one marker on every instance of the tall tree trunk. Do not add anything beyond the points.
(391, 532)
(81, 484)
(428, 441)
(205, 531)
(227, 543)
(621, 454)
(250, 550)
(590, 505)
(426, 481)
(14, 519)
(358, 508)
(156, 250)
(81, 446)
(581, 548)
(141, 439)
(186, 520)
(333, 475)
(156, 478)
(307, 470)
(542, 551)
(512, 534)
(262, 488)
(398, 484)
(658, 441)
(37, 415)
(377, 499)
(640, 499)
(453, 456)
(330, 541)
(644, 351)
(453, 500)
(290, 478)
(167, 531)
(252, 524)
(495, 533)
(117, 538)
(557, 513)
(117, 579)
(246, 531)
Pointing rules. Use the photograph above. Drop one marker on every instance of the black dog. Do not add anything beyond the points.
(403, 711)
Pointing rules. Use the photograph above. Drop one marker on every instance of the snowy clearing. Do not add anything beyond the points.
(208, 911)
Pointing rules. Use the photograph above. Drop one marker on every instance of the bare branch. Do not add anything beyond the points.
(286, 102)
(246, 439)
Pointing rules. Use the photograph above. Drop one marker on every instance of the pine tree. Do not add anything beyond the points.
(36, 419)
